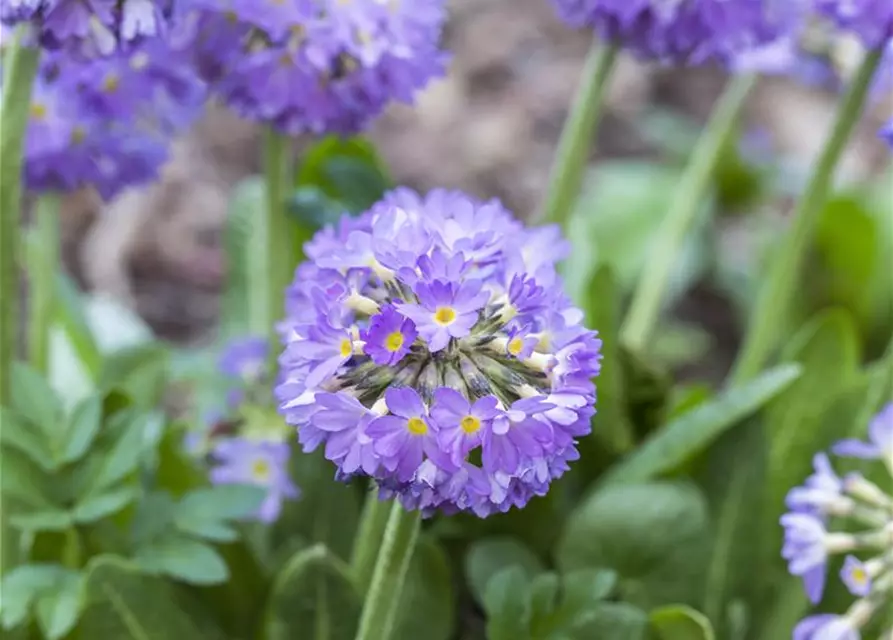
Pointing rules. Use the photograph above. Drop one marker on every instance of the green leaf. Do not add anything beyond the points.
(123, 603)
(427, 606)
(183, 559)
(20, 588)
(22, 480)
(313, 597)
(647, 389)
(655, 536)
(485, 558)
(140, 372)
(34, 400)
(93, 508)
(614, 621)
(678, 622)
(154, 516)
(689, 434)
(581, 592)
(59, 606)
(26, 438)
(125, 454)
(55, 520)
(72, 317)
(221, 502)
(507, 605)
(83, 425)
(327, 511)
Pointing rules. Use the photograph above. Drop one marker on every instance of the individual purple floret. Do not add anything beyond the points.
(317, 66)
(90, 27)
(870, 20)
(810, 540)
(258, 462)
(686, 32)
(244, 358)
(429, 345)
(107, 122)
(886, 132)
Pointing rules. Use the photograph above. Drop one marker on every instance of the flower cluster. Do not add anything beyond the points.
(684, 31)
(429, 346)
(107, 122)
(870, 20)
(808, 542)
(317, 65)
(248, 443)
(90, 27)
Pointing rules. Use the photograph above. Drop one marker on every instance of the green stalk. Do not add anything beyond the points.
(18, 77)
(380, 608)
(775, 293)
(42, 275)
(277, 168)
(576, 137)
(688, 199)
(368, 539)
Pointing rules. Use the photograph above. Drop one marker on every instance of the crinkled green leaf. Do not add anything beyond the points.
(489, 556)
(154, 516)
(689, 434)
(313, 597)
(678, 622)
(182, 559)
(139, 371)
(506, 601)
(83, 426)
(93, 508)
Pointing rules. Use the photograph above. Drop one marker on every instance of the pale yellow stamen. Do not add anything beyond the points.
(394, 341)
(470, 424)
(444, 315)
(38, 111)
(111, 83)
(346, 348)
(260, 470)
(515, 346)
(417, 426)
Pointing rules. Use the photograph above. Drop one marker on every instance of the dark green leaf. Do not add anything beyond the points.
(485, 558)
(655, 536)
(544, 592)
(183, 559)
(687, 435)
(55, 520)
(507, 604)
(140, 372)
(93, 508)
(154, 516)
(59, 606)
(646, 391)
(26, 438)
(123, 603)
(678, 622)
(83, 425)
(220, 502)
(22, 585)
(125, 454)
(427, 606)
(313, 598)
(35, 401)
(22, 480)
(614, 621)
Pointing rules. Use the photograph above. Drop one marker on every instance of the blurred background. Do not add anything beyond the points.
(491, 127)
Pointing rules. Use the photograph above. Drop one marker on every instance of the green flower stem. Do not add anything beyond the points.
(42, 275)
(277, 168)
(775, 292)
(573, 148)
(380, 607)
(688, 199)
(369, 536)
(19, 71)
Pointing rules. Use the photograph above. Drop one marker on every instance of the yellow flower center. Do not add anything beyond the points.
(859, 575)
(444, 315)
(78, 134)
(470, 424)
(394, 341)
(346, 348)
(260, 470)
(417, 426)
(111, 82)
(38, 111)
(515, 345)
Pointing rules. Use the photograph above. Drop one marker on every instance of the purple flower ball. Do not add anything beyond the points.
(684, 32)
(318, 66)
(429, 345)
(90, 27)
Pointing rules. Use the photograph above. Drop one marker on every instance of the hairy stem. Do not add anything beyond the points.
(368, 540)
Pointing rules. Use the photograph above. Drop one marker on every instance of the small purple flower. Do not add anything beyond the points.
(871, 20)
(324, 349)
(261, 463)
(521, 343)
(517, 436)
(821, 491)
(389, 337)
(880, 440)
(886, 133)
(826, 627)
(244, 358)
(445, 310)
(856, 577)
(805, 550)
(461, 423)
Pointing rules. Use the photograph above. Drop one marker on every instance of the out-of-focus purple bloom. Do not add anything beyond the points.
(389, 337)
(261, 463)
(822, 493)
(90, 27)
(107, 122)
(826, 627)
(805, 550)
(880, 440)
(855, 576)
(886, 133)
(468, 381)
(686, 32)
(244, 358)
(871, 20)
(317, 66)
